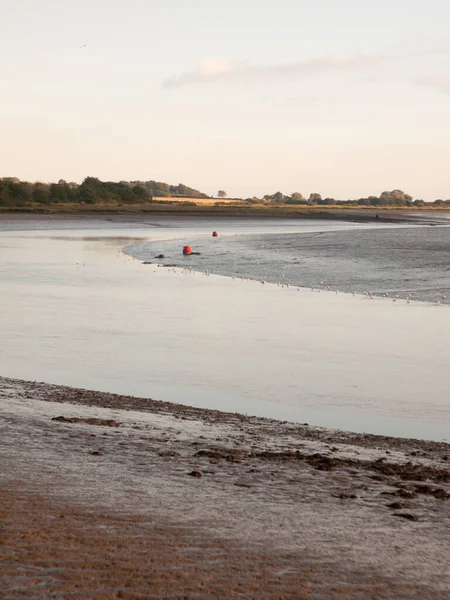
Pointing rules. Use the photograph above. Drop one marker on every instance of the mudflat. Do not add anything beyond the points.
(107, 496)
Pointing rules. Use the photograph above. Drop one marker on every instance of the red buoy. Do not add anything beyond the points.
(187, 250)
(215, 234)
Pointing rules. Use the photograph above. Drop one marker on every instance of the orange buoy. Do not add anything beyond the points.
(187, 250)
(215, 234)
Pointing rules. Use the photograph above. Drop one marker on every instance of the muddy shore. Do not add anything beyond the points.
(356, 215)
(107, 496)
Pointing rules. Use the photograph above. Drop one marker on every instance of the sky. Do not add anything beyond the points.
(347, 98)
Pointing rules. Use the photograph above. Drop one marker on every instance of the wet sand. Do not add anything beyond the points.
(107, 496)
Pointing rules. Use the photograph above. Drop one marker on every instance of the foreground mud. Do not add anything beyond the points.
(103, 496)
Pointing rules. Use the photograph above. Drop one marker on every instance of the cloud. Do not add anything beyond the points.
(439, 82)
(214, 70)
(208, 70)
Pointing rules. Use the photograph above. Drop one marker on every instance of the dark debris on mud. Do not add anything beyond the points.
(88, 421)
(65, 394)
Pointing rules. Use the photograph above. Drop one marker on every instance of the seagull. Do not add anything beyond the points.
(82, 46)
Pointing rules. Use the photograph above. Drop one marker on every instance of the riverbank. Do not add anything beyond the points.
(134, 498)
(350, 213)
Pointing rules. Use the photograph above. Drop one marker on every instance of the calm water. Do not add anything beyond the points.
(77, 311)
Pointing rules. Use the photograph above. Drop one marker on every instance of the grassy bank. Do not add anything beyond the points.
(230, 210)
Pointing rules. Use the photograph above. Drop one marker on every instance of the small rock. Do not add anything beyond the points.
(423, 489)
(233, 458)
(408, 516)
(405, 494)
(168, 453)
(440, 494)
(397, 505)
(196, 474)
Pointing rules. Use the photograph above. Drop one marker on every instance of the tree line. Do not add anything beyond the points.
(396, 198)
(17, 193)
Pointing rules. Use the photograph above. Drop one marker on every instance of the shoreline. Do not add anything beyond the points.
(287, 510)
(351, 214)
(49, 392)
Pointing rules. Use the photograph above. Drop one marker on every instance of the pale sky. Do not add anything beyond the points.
(347, 98)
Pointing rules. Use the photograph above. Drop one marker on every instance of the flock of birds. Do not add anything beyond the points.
(322, 287)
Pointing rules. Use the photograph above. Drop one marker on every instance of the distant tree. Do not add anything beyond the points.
(277, 198)
(58, 192)
(395, 198)
(41, 193)
(21, 192)
(314, 198)
(89, 190)
(14, 192)
(157, 189)
(185, 191)
(92, 181)
(297, 197)
(140, 192)
(222, 194)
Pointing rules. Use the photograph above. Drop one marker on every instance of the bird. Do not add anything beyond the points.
(82, 46)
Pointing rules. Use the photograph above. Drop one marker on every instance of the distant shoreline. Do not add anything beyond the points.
(385, 215)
